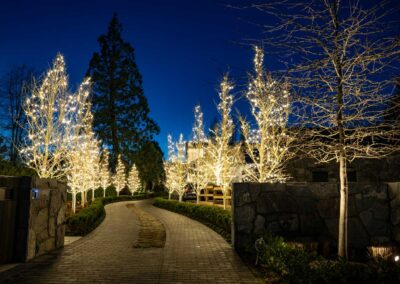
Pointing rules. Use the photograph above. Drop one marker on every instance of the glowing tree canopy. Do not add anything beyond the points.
(133, 180)
(119, 180)
(169, 178)
(176, 171)
(83, 159)
(52, 113)
(224, 159)
(104, 172)
(198, 173)
(268, 144)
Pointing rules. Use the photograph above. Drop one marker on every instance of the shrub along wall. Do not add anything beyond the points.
(215, 217)
(90, 217)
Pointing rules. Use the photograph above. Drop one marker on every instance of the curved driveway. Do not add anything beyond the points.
(193, 253)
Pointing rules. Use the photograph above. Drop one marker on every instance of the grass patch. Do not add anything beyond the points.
(86, 220)
(214, 217)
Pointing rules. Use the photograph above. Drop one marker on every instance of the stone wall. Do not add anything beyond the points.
(47, 216)
(309, 212)
(386, 169)
(37, 217)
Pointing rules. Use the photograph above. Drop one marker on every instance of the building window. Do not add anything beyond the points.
(320, 176)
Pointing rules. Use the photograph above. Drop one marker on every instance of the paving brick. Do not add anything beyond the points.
(193, 253)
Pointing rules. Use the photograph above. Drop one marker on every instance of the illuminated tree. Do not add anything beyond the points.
(198, 174)
(48, 111)
(119, 179)
(341, 56)
(104, 172)
(268, 145)
(133, 180)
(169, 178)
(223, 157)
(83, 158)
(177, 168)
(180, 168)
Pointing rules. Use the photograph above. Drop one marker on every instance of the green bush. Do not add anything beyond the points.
(215, 217)
(286, 264)
(89, 218)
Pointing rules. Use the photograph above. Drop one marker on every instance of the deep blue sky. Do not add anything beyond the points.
(182, 47)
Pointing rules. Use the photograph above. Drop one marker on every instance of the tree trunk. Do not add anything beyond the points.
(117, 192)
(83, 199)
(224, 199)
(92, 194)
(132, 193)
(198, 198)
(169, 195)
(104, 192)
(73, 202)
(342, 238)
(180, 197)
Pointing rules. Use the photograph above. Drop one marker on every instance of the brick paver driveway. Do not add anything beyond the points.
(193, 253)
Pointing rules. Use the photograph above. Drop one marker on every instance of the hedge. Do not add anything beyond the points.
(214, 217)
(86, 220)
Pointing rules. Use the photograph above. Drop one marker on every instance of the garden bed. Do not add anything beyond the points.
(282, 262)
(87, 219)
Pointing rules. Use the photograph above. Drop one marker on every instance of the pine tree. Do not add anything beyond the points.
(121, 111)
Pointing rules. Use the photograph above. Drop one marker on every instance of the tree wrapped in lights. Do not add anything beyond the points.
(268, 145)
(223, 158)
(104, 171)
(50, 116)
(176, 171)
(119, 179)
(133, 180)
(341, 56)
(198, 174)
(83, 158)
(169, 178)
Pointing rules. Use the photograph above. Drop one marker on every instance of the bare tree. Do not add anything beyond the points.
(222, 157)
(54, 116)
(198, 173)
(267, 145)
(15, 86)
(340, 56)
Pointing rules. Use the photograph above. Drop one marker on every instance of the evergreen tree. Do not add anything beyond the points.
(121, 111)
(151, 166)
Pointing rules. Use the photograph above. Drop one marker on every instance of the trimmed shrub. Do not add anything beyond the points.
(86, 220)
(284, 263)
(215, 217)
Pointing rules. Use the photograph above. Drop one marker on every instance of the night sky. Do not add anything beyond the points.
(182, 47)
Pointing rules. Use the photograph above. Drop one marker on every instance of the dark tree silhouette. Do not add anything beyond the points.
(121, 111)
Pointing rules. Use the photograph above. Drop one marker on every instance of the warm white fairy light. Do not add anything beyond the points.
(104, 172)
(223, 159)
(133, 179)
(83, 159)
(119, 178)
(268, 144)
(198, 173)
(51, 114)
(176, 167)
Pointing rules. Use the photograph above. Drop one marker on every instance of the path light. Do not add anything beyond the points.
(396, 258)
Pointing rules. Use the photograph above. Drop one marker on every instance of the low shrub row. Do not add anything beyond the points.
(89, 218)
(215, 217)
(283, 263)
